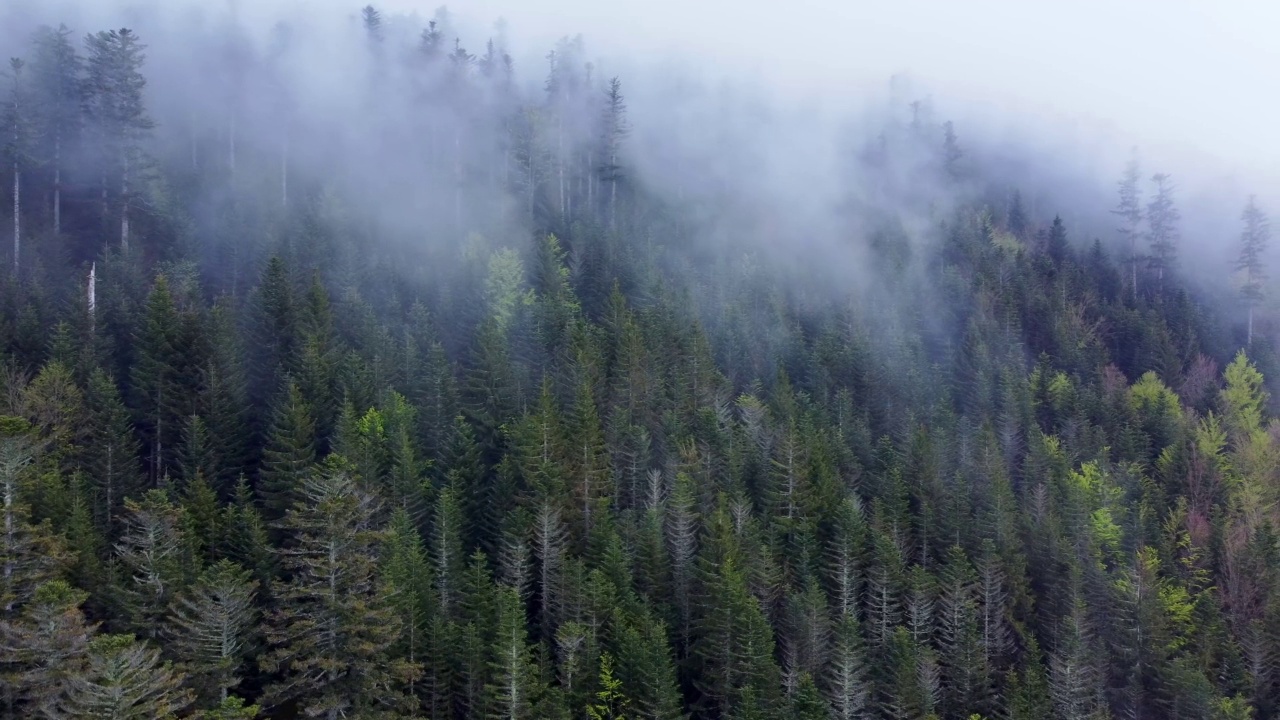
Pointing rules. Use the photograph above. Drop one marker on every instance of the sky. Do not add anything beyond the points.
(1069, 90)
(1193, 83)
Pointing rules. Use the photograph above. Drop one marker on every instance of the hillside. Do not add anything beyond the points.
(411, 385)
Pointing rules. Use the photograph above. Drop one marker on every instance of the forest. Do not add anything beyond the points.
(414, 391)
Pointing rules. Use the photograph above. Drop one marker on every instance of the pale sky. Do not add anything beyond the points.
(1186, 78)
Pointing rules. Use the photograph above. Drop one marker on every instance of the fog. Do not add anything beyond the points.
(756, 106)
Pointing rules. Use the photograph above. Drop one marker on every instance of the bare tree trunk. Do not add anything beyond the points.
(124, 205)
(284, 173)
(591, 208)
(1133, 267)
(560, 159)
(613, 191)
(57, 184)
(17, 216)
(93, 293)
(159, 444)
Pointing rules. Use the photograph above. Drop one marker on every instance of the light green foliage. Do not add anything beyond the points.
(505, 291)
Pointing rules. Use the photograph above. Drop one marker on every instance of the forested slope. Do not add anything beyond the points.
(456, 416)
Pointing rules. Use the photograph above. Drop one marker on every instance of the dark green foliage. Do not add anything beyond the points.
(289, 455)
(569, 445)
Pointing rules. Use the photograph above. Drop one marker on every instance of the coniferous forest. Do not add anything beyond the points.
(431, 402)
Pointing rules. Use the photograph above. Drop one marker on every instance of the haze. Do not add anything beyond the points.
(1082, 83)
(1178, 77)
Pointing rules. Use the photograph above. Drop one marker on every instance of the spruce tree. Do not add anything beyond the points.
(333, 626)
(151, 560)
(211, 628)
(1253, 243)
(289, 456)
(43, 649)
(126, 679)
(117, 114)
(1162, 228)
(59, 97)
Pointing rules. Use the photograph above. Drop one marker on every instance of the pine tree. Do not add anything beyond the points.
(1130, 211)
(1253, 243)
(150, 553)
(512, 676)
(590, 462)
(734, 644)
(1056, 246)
(43, 649)
(18, 144)
(126, 679)
(226, 402)
(550, 540)
(610, 703)
(289, 456)
(211, 627)
(646, 669)
(959, 637)
(845, 557)
(163, 382)
(318, 355)
(429, 383)
(846, 677)
(883, 596)
(1073, 673)
(1162, 228)
(1017, 217)
(273, 334)
(116, 112)
(29, 554)
(333, 626)
(55, 70)
(448, 557)
(244, 539)
(614, 129)
(195, 457)
(406, 571)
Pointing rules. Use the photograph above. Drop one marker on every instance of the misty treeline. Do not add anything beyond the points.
(436, 408)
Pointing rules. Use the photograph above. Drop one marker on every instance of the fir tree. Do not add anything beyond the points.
(123, 678)
(211, 627)
(333, 627)
(1253, 243)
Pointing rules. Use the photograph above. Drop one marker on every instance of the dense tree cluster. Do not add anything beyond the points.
(273, 463)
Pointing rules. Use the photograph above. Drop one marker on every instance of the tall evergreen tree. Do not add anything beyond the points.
(18, 144)
(1253, 243)
(55, 70)
(1130, 211)
(126, 679)
(1162, 228)
(333, 627)
(117, 113)
(109, 457)
(289, 456)
(211, 627)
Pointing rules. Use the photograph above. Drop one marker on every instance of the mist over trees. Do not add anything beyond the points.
(349, 368)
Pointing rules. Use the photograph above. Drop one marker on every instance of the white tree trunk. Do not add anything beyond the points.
(284, 173)
(124, 205)
(17, 217)
(93, 292)
(57, 184)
